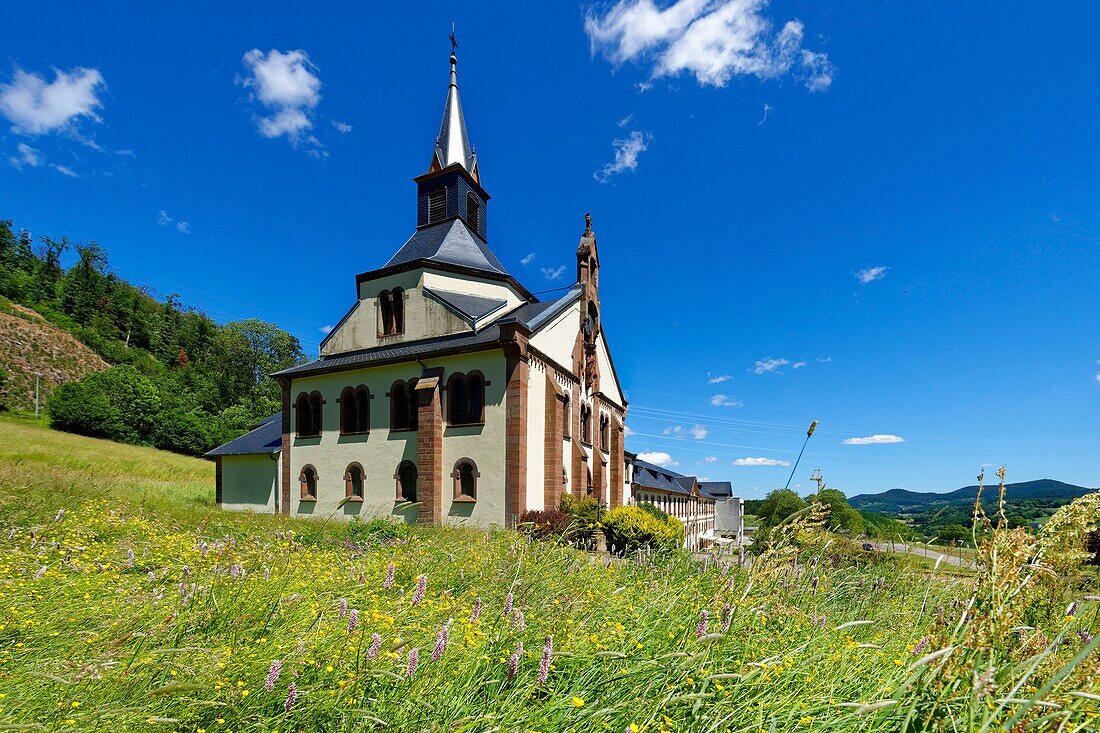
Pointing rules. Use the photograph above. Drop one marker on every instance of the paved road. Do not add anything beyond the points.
(902, 547)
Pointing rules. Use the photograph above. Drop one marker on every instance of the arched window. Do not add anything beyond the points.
(465, 475)
(567, 418)
(406, 481)
(307, 418)
(355, 410)
(353, 482)
(385, 313)
(466, 398)
(437, 205)
(588, 479)
(308, 480)
(399, 406)
(605, 433)
(586, 424)
(397, 300)
(473, 211)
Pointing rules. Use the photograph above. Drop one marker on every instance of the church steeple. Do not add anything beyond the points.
(453, 143)
(451, 189)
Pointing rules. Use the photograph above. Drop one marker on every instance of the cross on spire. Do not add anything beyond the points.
(451, 35)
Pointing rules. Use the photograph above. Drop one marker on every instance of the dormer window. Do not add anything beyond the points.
(437, 205)
(473, 211)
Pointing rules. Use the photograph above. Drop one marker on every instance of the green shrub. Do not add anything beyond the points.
(631, 528)
(552, 525)
(83, 408)
(653, 509)
(185, 431)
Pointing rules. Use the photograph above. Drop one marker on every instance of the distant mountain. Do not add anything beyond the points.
(903, 501)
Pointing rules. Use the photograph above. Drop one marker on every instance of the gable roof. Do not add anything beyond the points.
(532, 316)
(716, 489)
(266, 438)
(449, 242)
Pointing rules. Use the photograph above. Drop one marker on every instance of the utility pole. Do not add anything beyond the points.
(37, 379)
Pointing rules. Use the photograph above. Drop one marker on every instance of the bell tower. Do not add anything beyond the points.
(588, 276)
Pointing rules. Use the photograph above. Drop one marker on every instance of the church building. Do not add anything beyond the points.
(448, 392)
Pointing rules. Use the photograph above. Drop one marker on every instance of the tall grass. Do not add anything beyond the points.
(141, 607)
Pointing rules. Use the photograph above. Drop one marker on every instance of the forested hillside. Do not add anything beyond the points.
(177, 379)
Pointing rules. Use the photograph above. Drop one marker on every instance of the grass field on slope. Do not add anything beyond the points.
(128, 602)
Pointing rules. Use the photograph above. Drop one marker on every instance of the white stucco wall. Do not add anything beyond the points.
(381, 450)
(536, 433)
(557, 338)
(249, 483)
(609, 385)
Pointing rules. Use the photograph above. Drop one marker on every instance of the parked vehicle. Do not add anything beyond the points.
(868, 546)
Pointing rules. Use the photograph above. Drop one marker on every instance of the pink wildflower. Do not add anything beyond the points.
(388, 582)
(441, 641)
(375, 645)
(513, 661)
(273, 675)
(343, 608)
(544, 663)
(414, 662)
(701, 629)
(476, 611)
(291, 697)
(353, 619)
(508, 603)
(421, 586)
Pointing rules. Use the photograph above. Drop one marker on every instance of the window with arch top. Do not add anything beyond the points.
(605, 433)
(391, 312)
(586, 424)
(437, 205)
(307, 417)
(466, 399)
(403, 408)
(354, 479)
(308, 480)
(355, 410)
(465, 476)
(406, 476)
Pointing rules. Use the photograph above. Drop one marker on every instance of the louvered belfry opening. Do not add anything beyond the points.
(437, 205)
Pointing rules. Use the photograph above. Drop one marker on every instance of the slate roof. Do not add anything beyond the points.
(471, 307)
(450, 242)
(265, 438)
(530, 315)
(716, 489)
(652, 476)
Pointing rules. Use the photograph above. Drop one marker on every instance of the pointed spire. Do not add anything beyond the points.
(453, 144)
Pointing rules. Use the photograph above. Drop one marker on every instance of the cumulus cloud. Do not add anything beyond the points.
(798, 365)
(874, 440)
(553, 273)
(760, 461)
(528, 259)
(870, 274)
(672, 430)
(627, 150)
(713, 40)
(288, 87)
(27, 157)
(721, 400)
(718, 379)
(165, 220)
(64, 170)
(771, 364)
(627, 431)
(326, 329)
(710, 459)
(699, 432)
(342, 127)
(658, 458)
(35, 106)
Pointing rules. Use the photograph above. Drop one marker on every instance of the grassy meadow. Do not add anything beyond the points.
(128, 602)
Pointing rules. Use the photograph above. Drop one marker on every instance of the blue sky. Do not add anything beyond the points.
(880, 215)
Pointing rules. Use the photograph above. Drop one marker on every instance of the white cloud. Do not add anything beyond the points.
(870, 274)
(767, 111)
(553, 273)
(659, 458)
(714, 40)
(710, 459)
(627, 431)
(759, 461)
(826, 360)
(64, 170)
(35, 107)
(528, 259)
(288, 86)
(721, 400)
(625, 121)
(1098, 377)
(771, 364)
(798, 365)
(28, 156)
(183, 227)
(699, 432)
(627, 150)
(672, 430)
(874, 440)
(163, 219)
(719, 379)
(342, 127)
(327, 329)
